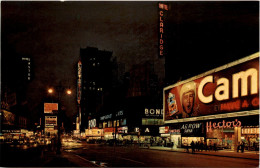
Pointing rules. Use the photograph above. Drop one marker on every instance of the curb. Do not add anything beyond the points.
(203, 154)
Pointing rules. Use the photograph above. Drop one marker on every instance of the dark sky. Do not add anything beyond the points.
(52, 33)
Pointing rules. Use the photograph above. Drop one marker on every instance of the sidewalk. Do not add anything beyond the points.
(254, 155)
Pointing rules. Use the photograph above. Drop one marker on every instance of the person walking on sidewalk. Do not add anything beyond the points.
(205, 146)
(242, 147)
(215, 147)
(187, 147)
(193, 146)
(201, 146)
(238, 147)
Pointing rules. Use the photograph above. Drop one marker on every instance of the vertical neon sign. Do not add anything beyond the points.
(162, 9)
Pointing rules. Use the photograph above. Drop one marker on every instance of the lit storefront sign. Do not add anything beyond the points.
(50, 121)
(222, 124)
(174, 131)
(109, 116)
(153, 112)
(191, 128)
(50, 130)
(162, 10)
(163, 130)
(120, 113)
(50, 107)
(92, 123)
(93, 132)
(250, 130)
(231, 88)
(122, 130)
(137, 129)
(147, 130)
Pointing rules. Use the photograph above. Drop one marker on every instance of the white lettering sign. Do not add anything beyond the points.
(222, 89)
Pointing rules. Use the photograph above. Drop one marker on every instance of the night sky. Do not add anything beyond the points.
(52, 33)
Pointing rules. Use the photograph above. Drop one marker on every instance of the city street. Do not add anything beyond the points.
(132, 156)
(79, 154)
(130, 84)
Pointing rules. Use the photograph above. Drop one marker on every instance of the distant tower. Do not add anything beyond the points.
(96, 80)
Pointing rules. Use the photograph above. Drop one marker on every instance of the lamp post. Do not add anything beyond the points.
(59, 90)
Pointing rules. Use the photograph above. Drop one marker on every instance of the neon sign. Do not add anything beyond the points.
(162, 7)
(223, 124)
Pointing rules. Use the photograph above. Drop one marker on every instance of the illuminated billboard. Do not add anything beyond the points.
(163, 8)
(50, 121)
(230, 88)
(79, 82)
(50, 107)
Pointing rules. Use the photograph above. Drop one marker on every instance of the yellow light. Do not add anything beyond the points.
(50, 90)
(69, 92)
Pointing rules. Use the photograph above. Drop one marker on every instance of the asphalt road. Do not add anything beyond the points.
(134, 157)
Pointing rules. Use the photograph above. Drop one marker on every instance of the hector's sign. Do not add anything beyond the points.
(223, 124)
(230, 88)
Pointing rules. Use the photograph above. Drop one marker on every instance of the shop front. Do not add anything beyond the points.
(175, 137)
(192, 132)
(229, 133)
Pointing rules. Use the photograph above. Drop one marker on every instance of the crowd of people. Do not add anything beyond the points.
(200, 146)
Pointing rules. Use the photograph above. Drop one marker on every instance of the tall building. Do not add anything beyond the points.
(95, 75)
(14, 111)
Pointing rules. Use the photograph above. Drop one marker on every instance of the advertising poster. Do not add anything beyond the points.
(50, 121)
(50, 107)
(230, 89)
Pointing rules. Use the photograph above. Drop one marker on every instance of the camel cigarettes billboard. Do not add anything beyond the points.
(230, 88)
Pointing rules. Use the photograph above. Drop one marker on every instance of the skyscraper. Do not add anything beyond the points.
(95, 77)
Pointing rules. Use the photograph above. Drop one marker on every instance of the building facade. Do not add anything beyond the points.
(95, 74)
(220, 106)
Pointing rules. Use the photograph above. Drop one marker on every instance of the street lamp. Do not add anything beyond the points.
(59, 90)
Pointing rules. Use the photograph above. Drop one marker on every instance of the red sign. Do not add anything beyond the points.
(162, 8)
(109, 129)
(223, 124)
(225, 90)
(50, 107)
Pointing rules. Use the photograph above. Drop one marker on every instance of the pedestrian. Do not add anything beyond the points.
(186, 146)
(151, 141)
(201, 146)
(238, 147)
(197, 146)
(205, 146)
(215, 147)
(210, 146)
(193, 146)
(242, 147)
